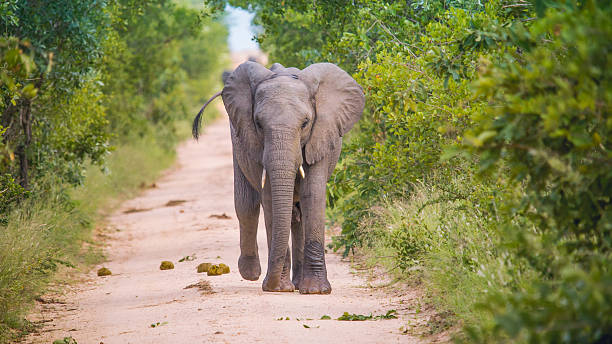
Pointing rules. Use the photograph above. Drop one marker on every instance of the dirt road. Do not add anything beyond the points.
(157, 226)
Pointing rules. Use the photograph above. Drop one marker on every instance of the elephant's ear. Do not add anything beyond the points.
(238, 96)
(339, 102)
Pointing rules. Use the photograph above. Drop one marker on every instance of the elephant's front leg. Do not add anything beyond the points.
(285, 283)
(312, 204)
(247, 203)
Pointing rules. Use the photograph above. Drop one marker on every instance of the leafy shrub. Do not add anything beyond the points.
(520, 220)
(550, 126)
(10, 193)
(91, 96)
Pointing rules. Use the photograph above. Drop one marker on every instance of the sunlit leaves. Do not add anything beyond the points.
(549, 125)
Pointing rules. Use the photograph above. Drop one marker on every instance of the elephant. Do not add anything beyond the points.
(286, 128)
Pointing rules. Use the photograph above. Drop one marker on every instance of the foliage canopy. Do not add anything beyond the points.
(83, 83)
(487, 132)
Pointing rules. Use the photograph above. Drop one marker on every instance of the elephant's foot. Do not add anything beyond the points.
(297, 276)
(281, 285)
(315, 285)
(286, 285)
(296, 282)
(249, 267)
(314, 273)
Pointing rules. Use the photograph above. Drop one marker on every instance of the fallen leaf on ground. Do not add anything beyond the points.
(158, 324)
(66, 340)
(360, 317)
(188, 258)
(222, 216)
(391, 314)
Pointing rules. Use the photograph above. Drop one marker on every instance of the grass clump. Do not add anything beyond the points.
(446, 244)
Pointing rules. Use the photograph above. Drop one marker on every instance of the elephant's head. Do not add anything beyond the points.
(286, 117)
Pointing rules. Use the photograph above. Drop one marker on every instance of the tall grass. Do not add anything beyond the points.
(49, 230)
(450, 246)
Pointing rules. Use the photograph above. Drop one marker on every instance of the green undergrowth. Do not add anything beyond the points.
(54, 228)
(449, 246)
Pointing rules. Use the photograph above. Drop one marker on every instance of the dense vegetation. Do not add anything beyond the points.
(90, 96)
(483, 163)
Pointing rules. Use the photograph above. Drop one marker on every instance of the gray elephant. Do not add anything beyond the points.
(286, 127)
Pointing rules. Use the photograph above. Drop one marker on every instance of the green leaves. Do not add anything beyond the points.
(481, 139)
(548, 125)
(65, 340)
(556, 133)
(79, 74)
(158, 324)
(77, 77)
(354, 317)
(391, 314)
(500, 112)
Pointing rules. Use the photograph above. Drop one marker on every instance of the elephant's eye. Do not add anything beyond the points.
(305, 123)
(258, 124)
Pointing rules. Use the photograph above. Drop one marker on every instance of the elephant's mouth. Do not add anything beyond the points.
(263, 175)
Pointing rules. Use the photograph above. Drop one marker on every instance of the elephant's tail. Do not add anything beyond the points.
(197, 121)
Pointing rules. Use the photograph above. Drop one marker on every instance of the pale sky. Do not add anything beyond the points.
(240, 30)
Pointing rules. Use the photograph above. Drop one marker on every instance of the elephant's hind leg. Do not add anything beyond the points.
(247, 202)
(297, 245)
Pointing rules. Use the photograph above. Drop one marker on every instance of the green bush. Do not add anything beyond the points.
(92, 97)
(11, 193)
(550, 126)
(486, 137)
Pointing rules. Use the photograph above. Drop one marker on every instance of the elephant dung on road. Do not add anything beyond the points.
(286, 127)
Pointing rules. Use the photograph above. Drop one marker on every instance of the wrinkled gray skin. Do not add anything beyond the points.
(282, 118)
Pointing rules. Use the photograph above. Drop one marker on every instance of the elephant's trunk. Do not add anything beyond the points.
(282, 157)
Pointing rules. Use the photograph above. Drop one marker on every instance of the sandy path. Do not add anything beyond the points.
(120, 308)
